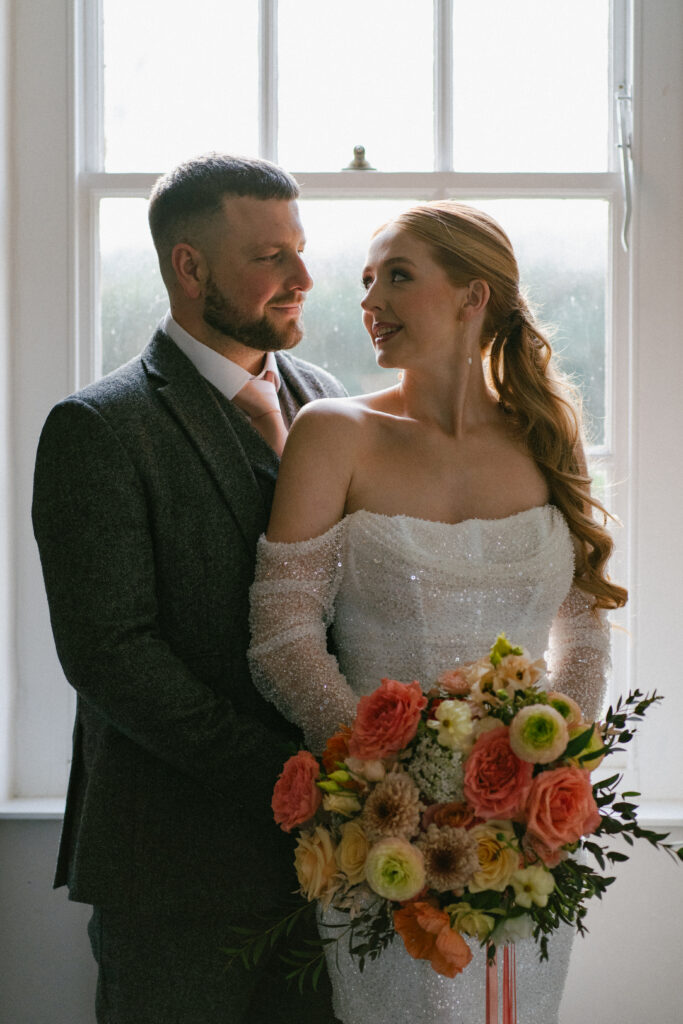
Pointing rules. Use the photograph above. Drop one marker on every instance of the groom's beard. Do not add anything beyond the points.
(257, 333)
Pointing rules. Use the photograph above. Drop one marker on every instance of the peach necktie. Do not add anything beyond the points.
(258, 398)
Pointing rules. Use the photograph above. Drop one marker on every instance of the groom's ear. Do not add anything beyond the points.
(189, 267)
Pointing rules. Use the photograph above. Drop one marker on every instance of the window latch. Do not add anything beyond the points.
(624, 143)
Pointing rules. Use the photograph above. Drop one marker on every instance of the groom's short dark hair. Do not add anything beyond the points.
(192, 194)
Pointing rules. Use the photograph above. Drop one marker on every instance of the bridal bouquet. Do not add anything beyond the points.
(456, 813)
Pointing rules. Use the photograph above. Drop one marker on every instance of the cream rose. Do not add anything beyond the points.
(499, 858)
(352, 852)
(315, 863)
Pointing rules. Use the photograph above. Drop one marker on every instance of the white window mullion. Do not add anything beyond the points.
(443, 85)
(268, 59)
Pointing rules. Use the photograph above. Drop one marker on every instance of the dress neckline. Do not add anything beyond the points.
(546, 509)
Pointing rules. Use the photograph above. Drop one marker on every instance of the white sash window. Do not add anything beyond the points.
(549, 115)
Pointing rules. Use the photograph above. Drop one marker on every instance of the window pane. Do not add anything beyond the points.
(338, 234)
(530, 85)
(562, 250)
(178, 81)
(358, 74)
(132, 295)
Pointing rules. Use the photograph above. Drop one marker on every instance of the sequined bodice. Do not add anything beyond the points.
(418, 597)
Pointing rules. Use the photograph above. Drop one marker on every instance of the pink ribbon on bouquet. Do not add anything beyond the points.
(509, 987)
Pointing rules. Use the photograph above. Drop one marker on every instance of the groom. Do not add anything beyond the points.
(152, 487)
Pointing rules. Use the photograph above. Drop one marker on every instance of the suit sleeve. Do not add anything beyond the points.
(92, 524)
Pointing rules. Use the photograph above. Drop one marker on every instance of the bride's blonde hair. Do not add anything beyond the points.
(469, 244)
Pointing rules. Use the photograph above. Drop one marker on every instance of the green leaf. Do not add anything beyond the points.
(579, 743)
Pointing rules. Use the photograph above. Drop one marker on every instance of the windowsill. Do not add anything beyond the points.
(657, 814)
(42, 808)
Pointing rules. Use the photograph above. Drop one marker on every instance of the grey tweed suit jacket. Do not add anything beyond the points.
(151, 491)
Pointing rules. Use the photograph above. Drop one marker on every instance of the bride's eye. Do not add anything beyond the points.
(399, 275)
(365, 282)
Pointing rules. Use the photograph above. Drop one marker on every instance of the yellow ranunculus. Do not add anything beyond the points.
(395, 869)
(315, 863)
(498, 858)
(352, 851)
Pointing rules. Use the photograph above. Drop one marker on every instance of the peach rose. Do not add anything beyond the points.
(427, 934)
(386, 720)
(496, 780)
(296, 797)
(560, 809)
(316, 864)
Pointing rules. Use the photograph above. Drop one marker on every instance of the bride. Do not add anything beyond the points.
(421, 521)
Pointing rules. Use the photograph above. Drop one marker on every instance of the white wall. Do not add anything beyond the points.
(6, 577)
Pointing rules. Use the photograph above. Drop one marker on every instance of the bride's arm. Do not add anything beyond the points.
(298, 570)
(579, 652)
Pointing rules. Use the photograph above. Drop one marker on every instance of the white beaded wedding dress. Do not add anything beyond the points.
(410, 598)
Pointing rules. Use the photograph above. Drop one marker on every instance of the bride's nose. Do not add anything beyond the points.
(372, 298)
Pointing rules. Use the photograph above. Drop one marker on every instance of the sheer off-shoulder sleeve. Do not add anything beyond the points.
(292, 605)
(579, 652)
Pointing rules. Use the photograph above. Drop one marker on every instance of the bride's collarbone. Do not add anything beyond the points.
(444, 486)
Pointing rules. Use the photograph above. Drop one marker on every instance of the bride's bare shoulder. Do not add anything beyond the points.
(338, 417)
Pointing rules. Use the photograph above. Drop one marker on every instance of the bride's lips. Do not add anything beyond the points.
(382, 331)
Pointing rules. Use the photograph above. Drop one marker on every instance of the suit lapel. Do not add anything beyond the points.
(229, 447)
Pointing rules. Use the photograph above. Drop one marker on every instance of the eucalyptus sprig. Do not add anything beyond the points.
(252, 941)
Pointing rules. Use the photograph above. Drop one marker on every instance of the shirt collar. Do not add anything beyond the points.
(220, 371)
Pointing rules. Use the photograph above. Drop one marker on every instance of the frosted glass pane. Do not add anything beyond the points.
(530, 85)
(132, 295)
(338, 234)
(562, 250)
(562, 247)
(355, 73)
(179, 80)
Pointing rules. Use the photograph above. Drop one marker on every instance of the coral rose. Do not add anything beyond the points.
(316, 864)
(496, 780)
(427, 934)
(386, 720)
(296, 797)
(560, 809)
